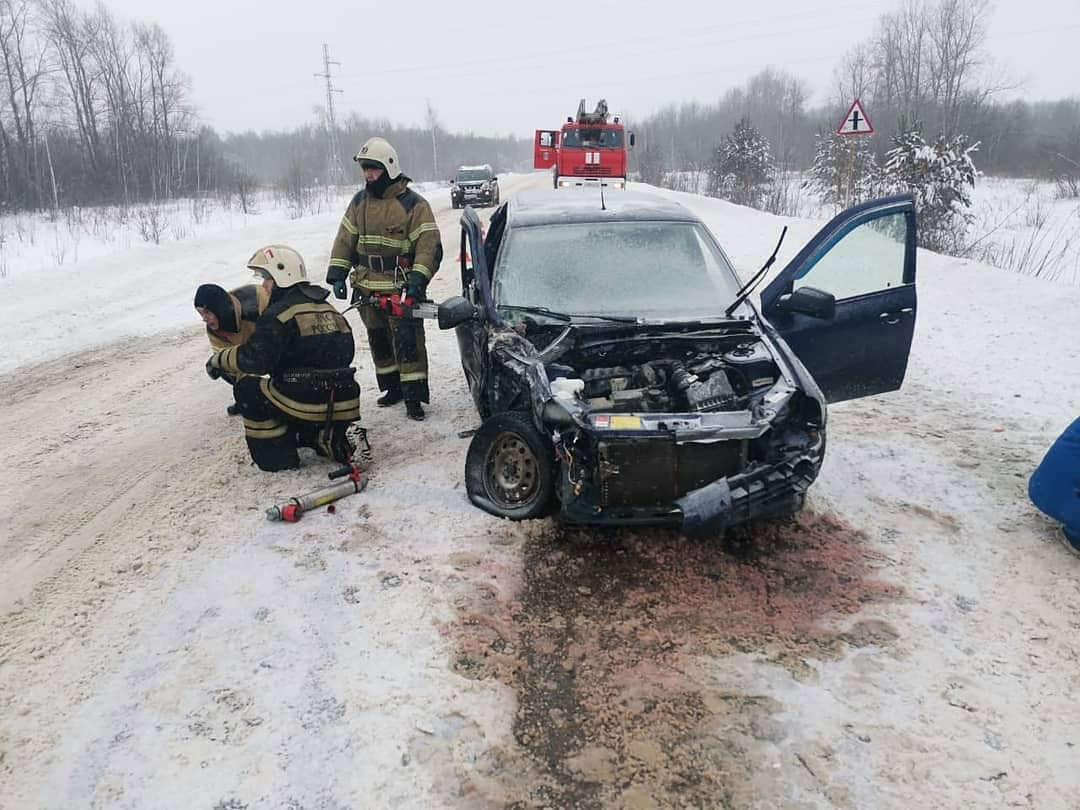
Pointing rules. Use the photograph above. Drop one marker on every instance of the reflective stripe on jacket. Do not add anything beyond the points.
(399, 227)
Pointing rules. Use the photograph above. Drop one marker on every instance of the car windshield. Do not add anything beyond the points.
(592, 138)
(648, 269)
(472, 175)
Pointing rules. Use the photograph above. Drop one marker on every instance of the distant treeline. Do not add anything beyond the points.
(1023, 139)
(925, 68)
(271, 156)
(93, 110)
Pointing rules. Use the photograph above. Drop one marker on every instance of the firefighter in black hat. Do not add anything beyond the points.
(230, 317)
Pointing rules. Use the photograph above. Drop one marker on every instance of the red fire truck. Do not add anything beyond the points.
(589, 150)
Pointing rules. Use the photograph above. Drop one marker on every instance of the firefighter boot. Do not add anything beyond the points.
(414, 410)
(392, 396)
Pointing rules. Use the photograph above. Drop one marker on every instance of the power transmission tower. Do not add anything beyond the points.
(334, 173)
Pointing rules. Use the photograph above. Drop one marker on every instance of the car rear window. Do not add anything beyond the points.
(472, 175)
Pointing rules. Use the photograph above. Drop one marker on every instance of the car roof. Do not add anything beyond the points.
(584, 205)
(485, 166)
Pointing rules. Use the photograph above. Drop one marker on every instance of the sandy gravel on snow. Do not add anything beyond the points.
(910, 640)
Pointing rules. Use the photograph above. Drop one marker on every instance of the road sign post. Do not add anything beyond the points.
(855, 122)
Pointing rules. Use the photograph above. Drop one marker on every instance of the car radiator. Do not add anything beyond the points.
(654, 472)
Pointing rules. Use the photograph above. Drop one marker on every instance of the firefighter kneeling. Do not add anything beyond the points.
(303, 346)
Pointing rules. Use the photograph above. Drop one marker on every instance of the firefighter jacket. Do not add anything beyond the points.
(380, 239)
(248, 302)
(298, 342)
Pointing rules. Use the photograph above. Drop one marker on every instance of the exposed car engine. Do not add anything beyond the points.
(696, 383)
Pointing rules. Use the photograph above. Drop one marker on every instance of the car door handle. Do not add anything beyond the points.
(891, 318)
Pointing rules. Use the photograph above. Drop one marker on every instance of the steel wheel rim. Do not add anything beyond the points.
(512, 471)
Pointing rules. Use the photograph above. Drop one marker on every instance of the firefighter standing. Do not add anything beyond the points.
(388, 242)
(304, 347)
(230, 317)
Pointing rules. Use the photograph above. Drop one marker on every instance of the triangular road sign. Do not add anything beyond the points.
(856, 121)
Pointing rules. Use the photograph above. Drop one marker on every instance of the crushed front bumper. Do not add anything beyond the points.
(763, 491)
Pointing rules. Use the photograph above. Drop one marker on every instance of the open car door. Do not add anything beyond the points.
(846, 303)
(545, 146)
(476, 288)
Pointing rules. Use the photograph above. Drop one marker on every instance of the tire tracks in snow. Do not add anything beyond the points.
(127, 473)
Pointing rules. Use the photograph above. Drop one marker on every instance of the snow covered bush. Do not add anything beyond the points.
(152, 221)
(845, 170)
(942, 178)
(742, 170)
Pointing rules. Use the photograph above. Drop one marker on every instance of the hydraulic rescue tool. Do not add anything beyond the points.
(397, 305)
(293, 509)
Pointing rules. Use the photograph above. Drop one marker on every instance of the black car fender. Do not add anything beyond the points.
(517, 377)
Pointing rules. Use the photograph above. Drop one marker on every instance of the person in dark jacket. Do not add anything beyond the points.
(230, 318)
(1055, 485)
(301, 388)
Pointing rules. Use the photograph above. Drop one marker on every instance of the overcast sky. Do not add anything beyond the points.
(508, 67)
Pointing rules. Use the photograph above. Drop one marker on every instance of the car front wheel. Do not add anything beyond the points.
(509, 469)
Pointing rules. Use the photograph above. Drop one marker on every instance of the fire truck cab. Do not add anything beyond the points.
(589, 150)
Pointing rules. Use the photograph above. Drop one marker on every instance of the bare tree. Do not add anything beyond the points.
(956, 33)
(431, 118)
(24, 67)
(70, 31)
(926, 61)
(855, 76)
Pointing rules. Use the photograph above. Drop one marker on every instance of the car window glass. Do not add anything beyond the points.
(473, 175)
(646, 269)
(592, 138)
(868, 258)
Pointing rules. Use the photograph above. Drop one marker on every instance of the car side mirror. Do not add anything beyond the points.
(494, 177)
(455, 311)
(809, 301)
(631, 138)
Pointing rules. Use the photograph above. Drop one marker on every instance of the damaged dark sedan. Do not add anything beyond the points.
(624, 376)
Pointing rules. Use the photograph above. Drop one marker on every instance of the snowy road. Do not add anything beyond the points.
(911, 639)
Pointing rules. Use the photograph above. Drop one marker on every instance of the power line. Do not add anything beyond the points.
(334, 173)
(668, 46)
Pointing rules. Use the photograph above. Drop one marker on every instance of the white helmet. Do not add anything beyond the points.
(283, 264)
(380, 151)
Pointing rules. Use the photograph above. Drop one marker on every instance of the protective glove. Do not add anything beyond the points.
(212, 371)
(335, 277)
(415, 285)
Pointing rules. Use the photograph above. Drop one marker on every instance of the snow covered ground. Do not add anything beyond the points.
(910, 641)
(1023, 225)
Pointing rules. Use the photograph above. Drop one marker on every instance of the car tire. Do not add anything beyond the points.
(510, 468)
